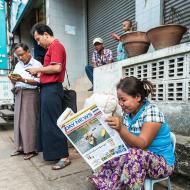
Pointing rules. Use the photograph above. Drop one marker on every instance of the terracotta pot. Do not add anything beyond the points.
(135, 43)
(166, 35)
(136, 48)
(134, 37)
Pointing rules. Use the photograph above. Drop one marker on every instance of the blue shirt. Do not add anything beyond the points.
(161, 145)
(121, 53)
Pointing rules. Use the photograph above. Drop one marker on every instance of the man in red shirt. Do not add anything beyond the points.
(53, 142)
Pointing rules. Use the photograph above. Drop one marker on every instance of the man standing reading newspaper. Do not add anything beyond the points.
(53, 141)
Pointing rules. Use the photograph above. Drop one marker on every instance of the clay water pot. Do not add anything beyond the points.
(136, 48)
(135, 36)
(166, 35)
(135, 43)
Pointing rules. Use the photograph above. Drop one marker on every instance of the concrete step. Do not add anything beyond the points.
(182, 155)
(2, 121)
(84, 93)
(83, 89)
(7, 113)
(80, 105)
(81, 100)
(81, 84)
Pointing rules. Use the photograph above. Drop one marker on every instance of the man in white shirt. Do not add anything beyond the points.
(26, 103)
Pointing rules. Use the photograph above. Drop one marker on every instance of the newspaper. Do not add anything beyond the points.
(91, 136)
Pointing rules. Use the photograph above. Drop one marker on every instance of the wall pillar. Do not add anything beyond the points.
(148, 14)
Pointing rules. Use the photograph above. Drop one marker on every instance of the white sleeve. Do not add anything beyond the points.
(37, 64)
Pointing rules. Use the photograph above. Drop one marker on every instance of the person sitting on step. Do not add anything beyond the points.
(100, 56)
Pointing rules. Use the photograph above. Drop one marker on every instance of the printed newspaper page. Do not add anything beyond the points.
(92, 137)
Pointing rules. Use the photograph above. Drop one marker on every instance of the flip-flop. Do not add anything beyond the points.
(30, 155)
(90, 180)
(16, 153)
(61, 164)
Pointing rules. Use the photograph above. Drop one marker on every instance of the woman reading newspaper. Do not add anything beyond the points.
(145, 131)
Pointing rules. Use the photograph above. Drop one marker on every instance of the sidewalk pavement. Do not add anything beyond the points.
(36, 174)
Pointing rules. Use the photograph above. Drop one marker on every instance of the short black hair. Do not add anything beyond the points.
(22, 45)
(41, 28)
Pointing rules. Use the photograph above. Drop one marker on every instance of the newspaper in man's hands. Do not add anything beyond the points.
(91, 136)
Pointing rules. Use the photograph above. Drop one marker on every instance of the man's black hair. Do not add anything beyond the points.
(22, 45)
(41, 28)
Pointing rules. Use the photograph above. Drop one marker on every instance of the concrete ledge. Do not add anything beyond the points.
(2, 121)
(182, 155)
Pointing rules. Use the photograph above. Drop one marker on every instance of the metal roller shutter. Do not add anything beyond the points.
(105, 17)
(182, 8)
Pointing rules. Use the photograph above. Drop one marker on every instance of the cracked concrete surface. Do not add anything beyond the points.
(36, 174)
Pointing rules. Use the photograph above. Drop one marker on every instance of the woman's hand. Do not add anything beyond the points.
(115, 123)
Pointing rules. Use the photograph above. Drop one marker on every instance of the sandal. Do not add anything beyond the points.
(90, 180)
(62, 163)
(16, 153)
(30, 155)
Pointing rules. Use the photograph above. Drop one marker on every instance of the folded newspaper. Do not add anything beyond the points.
(91, 135)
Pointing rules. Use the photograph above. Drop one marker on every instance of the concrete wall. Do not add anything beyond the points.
(25, 28)
(177, 112)
(148, 14)
(67, 18)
